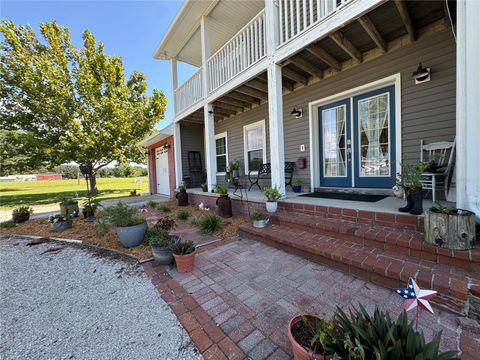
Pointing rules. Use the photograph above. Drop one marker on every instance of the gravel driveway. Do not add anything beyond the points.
(72, 303)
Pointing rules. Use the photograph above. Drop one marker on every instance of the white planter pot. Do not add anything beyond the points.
(260, 223)
(272, 206)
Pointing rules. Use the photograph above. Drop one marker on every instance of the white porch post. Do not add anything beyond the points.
(174, 77)
(468, 107)
(209, 120)
(177, 148)
(275, 99)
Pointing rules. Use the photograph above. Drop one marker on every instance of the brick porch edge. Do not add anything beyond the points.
(208, 338)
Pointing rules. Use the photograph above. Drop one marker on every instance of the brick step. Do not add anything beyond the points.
(383, 267)
(404, 242)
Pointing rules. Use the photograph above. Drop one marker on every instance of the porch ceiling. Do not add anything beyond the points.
(384, 29)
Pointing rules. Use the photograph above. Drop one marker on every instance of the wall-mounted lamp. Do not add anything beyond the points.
(166, 147)
(147, 153)
(421, 75)
(298, 113)
(210, 112)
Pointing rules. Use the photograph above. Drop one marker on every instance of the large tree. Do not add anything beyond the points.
(77, 104)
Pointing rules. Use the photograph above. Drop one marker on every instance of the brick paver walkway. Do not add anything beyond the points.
(250, 291)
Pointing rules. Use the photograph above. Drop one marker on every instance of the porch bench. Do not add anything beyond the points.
(265, 173)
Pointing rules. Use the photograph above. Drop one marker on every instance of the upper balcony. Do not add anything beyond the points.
(243, 54)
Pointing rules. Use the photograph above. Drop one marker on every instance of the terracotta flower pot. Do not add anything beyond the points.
(185, 263)
(299, 352)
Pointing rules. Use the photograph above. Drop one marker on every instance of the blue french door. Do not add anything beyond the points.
(358, 153)
(335, 133)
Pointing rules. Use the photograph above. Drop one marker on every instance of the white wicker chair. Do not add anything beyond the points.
(441, 153)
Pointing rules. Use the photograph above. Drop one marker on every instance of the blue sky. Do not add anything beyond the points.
(130, 29)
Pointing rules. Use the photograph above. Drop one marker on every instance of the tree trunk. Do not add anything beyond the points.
(93, 182)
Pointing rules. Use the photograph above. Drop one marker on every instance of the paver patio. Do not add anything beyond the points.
(251, 291)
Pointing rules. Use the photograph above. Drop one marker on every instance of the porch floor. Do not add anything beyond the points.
(388, 205)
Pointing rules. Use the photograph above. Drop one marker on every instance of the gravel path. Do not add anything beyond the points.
(76, 304)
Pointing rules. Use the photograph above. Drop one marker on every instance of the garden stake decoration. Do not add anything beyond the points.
(415, 298)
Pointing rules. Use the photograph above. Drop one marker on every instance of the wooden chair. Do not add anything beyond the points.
(439, 158)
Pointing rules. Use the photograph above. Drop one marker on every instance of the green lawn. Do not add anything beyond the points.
(48, 192)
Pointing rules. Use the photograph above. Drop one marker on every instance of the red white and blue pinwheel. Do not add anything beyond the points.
(414, 296)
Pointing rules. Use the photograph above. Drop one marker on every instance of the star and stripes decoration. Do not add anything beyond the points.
(414, 296)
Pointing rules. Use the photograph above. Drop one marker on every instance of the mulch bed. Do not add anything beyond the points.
(85, 231)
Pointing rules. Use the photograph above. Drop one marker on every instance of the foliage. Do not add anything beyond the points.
(68, 171)
(153, 204)
(120, 215)
(297, 182)
(65, 200)
(222, 190)
(234, 165)
(57, 218)
(91, 205)
(21, 211)
(439, 208)
(210, 223)
(49, 192)
(271, 193)
(255, 216)
(165, 223)
(183, 215)
(379, 337)
(204, 186)
(77, 104)
(164, 208)
(411, 175)
(182, 188)
(127, 170)
(318, 332)
(227, 176)
(159, 237)
(194, 220)
(183, 248)
(7, 224)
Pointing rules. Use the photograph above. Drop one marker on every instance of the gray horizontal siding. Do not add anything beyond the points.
(428, 110)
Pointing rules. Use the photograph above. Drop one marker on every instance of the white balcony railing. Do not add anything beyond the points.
(242, 51)
(189, 93)
(296, 16)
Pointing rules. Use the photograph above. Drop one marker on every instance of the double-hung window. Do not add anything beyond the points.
(255, 146)
(221, 152)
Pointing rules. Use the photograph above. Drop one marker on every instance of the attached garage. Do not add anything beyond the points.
(161, 161)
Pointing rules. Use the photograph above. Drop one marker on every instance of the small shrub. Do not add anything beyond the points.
(8, 224)
(22, 210)
(153, 204)
(183, 215)
(210, 223)
(271, 193)
(159, 237)
(118, 215)
(255, 216)
(164, 208)
(183, 248)
(166, 223)
(222, 190)
(194, 221)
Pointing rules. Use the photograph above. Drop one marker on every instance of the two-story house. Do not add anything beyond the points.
(348, 87)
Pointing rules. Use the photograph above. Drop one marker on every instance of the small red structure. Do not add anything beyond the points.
(49, 176)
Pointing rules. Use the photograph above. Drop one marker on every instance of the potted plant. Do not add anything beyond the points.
(449, 227)
(272, 194)
(69, 207)
(297, 185)
(234, 168)
(161, 241)
(410, 179)
(204, 186)
(182, 196)
(59, 222)
(228, 177)
(259, 220)
(129, 223)
(184, 254)
(89, 208)
(310, 337)
(21, 214)
(223, 202)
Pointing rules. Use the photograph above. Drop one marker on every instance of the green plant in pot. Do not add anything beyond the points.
(259, 220)
(89, 208)
(234, 168)
(161, 240)
(204, 186)
(59, 222)
(311, 337)
(272, 194)
(182, 196)
(128, 221)
(224, 203)
(184, 254)
(69, 207)
(297, 185)
(410, 179)
(21, 214)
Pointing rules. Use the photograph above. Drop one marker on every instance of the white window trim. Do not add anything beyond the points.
(219, 136)
(257, 124)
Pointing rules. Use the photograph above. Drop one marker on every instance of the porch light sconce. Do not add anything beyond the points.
(210, 112)
(421, 75)
(298, 113)
(147, 153)
(166, 147)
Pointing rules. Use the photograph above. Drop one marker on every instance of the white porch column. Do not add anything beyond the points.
(177, 148)
(209, 122)
(468, 106)
(275, 99)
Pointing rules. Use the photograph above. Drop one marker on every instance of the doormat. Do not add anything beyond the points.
(346, 196)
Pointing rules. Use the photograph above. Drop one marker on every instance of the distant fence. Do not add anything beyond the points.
(31, 177)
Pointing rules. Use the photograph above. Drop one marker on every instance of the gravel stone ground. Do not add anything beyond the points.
(74, 303)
